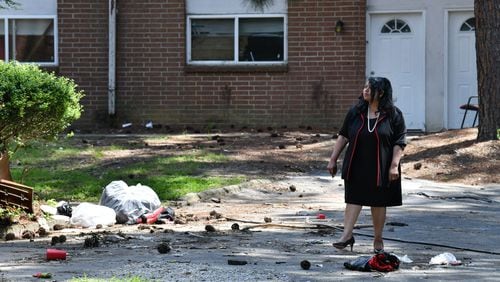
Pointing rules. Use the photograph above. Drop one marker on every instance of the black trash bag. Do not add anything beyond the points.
(63, 208)
(359, 264)
(168, 213)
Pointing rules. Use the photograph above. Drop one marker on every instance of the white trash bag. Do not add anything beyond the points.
(129, 202)
(445, 258)
(89, 215)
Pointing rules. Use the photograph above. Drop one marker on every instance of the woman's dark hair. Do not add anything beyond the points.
(382, 87)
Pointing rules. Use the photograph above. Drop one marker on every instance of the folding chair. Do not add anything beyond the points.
(470, 107)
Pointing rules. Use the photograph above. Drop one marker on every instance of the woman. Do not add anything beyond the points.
(376, 133)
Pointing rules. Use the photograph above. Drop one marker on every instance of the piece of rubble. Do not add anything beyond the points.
(209, 228)
(163, 248)
(10, 236)
(215, 214)
(42, 232)
(268, 219)
(236, 262)
(28, 234)
(305, 264)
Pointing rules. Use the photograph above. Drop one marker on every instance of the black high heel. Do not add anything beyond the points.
(342, 245)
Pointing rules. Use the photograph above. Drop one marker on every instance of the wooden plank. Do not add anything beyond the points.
(16, 195)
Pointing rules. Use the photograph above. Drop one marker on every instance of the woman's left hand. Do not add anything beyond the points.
(393, 173)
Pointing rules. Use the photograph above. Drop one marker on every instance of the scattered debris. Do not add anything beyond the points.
(42, 275)
(163, 248)
(293, 188)
(417, 166)
(209, 228)
(42, 232)
(55, 254)
(57, 227)
(268, 219)
(10, 236)
(92, 241)
(215, 214)
(28, 234)
(235, 226)
(445, 259)
(394, 223)
(236, 262)
(305, 264)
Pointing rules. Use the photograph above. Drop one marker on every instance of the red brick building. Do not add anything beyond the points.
(219, 63)
(313, 86)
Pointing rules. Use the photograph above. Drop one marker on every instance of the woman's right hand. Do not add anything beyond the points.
(332, 167)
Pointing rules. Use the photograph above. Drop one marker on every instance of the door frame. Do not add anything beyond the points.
(423, 49)
(446, 46)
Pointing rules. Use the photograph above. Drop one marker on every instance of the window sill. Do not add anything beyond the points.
(236, 68)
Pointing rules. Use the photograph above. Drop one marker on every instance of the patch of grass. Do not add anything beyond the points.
(68, 170)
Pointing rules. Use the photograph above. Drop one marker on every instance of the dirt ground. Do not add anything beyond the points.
(275, 162)
(450, 156)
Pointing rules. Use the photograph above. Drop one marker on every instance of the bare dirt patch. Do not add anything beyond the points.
(450, 156)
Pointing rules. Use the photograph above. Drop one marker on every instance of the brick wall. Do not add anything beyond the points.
(324, 76)
(83, 54)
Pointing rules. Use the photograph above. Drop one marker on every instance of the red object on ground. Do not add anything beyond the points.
(321, 216)
(151, 218)
(42, 275)
(54, 254)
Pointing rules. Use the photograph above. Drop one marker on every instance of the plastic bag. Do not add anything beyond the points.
(445, 258)
(89, 215)
(360, 264)
(63, 208)
(129, 202)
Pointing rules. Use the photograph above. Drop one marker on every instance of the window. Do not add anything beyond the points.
(469, 25)
(29, 40)
(396, 26)
(236, 40)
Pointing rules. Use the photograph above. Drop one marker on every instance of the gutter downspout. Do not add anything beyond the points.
(112, 57)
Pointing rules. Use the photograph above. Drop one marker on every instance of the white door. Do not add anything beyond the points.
(395, 50)
(462, 70)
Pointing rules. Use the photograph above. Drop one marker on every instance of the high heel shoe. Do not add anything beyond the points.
(342, 245)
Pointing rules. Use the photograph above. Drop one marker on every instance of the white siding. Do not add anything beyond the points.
(435, 49)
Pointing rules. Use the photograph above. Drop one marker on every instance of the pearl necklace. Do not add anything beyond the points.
(368, 117)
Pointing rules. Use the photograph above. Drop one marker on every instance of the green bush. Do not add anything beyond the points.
(34, 104)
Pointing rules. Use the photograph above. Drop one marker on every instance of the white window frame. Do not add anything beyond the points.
(236, 18)
(6, 18)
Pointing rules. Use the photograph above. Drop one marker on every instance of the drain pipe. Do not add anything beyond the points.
(112, 57)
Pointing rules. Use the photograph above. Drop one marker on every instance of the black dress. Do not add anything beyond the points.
(367, 160)
(361, 188)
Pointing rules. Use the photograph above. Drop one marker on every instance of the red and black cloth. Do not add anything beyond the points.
(383, 262)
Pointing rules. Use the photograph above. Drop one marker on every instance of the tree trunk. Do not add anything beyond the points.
(4, 166)
(487, 13)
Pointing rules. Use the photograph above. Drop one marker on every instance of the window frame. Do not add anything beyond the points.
(6, 19)
(235, 61)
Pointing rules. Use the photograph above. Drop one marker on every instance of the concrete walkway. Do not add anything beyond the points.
(434, 215)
